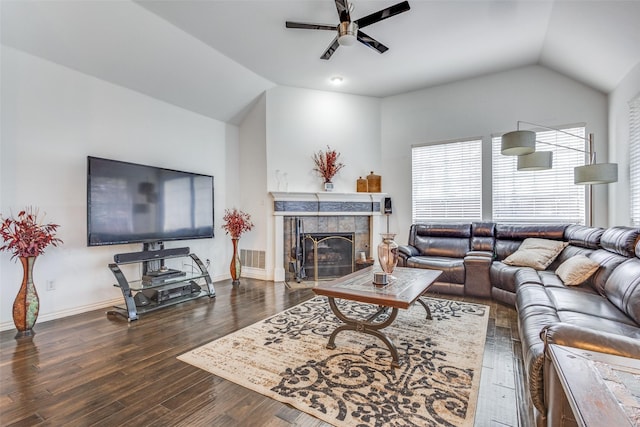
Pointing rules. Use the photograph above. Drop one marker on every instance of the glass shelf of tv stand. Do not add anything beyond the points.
(156, 306)
(138, 285)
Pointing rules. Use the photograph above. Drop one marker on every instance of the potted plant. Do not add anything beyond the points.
(235, 224)
(27, 238)
(327, 165)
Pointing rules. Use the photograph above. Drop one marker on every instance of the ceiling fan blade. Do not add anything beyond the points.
(382, 14)
(306, 26)
(371, 42)
(343, 10)
(332, 48)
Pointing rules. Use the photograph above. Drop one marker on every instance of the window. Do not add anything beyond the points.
(447, 181)
(634, 159)
(540, 196)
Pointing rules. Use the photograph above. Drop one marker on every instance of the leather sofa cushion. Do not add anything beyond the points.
(441, 240)
(452, 268)
(443, 230)
(582, 236)
(623, 288)
(608, 261)
(532, 295)
(551, 280)
(482, 236)
(621, 240)
(503, 276)
(509, 236)
(442, 246)
(581, 302)
(596, 323)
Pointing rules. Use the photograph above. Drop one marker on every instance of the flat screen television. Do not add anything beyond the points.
(133, 203)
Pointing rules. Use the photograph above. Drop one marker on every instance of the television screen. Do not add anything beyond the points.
(129, 203)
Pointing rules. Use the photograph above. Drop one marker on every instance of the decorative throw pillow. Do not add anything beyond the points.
(536, 253)
(576, 270)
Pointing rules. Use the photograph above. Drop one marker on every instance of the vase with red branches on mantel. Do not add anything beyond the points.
(236, 222)
(327, 165)
(26, 237)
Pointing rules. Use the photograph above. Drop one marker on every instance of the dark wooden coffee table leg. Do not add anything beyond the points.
(426, 307)
(367, 326)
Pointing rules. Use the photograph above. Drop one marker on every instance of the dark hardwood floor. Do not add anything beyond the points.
(92, 369)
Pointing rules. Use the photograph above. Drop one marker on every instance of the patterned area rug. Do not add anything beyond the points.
(285, 357)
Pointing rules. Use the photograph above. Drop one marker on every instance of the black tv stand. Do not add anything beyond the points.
(160, 287)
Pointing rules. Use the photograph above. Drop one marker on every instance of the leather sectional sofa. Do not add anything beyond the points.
(601, 313)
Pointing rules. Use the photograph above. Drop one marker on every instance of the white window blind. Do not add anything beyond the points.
(447, 181)
(547, 196)
(634, 159)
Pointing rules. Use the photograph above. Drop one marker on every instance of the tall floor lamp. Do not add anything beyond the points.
(522, 143)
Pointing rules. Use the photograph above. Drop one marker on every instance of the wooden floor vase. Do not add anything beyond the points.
(26, 305)
(236, 266)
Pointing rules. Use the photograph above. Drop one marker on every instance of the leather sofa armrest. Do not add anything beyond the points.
(405, 252)
(486, 254)
(590, 339)
(477, 282)
(408, 251)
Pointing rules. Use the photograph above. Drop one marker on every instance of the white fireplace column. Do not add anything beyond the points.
(325, 204)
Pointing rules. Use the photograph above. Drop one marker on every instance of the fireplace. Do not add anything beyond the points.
(327, 255)
(299, 214)
(324, 247)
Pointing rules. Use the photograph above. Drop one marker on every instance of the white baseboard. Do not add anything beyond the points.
(5, 326)
(252, 273)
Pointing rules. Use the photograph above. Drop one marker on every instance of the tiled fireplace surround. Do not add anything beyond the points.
(326, 212)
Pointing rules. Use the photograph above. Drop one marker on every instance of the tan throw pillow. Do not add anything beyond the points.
(576, 270)
(536, 253)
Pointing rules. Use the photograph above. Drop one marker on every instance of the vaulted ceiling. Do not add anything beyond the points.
(216, 57)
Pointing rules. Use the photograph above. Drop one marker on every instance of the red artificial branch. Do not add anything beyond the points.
(327, 164)
(25, 237)
(236, 222)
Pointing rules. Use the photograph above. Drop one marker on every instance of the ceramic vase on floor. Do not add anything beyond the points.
(26, 305)
(388, 253)
(236, 267)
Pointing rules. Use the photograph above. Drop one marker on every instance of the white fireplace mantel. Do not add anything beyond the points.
(322, 204)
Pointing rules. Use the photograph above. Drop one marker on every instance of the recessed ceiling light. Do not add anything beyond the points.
(336, 80)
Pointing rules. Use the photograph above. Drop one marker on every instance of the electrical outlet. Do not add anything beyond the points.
(51, 285)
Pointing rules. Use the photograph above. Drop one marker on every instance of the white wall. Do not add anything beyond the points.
(619, 99)
(253, 196)
(481, 107)
(52, 118)
(301, 122)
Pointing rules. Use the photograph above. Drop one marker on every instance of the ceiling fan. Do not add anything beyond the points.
(349, 31)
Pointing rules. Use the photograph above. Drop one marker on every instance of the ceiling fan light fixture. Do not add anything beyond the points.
(347, 33)
(348, 30)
